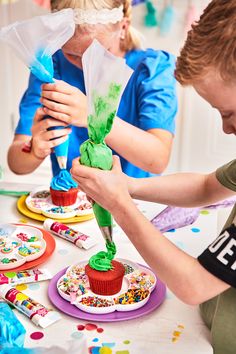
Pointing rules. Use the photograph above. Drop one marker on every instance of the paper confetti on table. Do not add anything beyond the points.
(177, 333)
(36, 335)
(23, 221)
(21, 287)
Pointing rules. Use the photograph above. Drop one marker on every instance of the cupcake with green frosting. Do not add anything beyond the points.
(104, 273)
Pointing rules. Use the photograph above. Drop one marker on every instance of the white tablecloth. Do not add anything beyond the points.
(172, 328)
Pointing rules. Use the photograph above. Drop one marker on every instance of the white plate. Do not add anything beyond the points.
(44, 206)
(76, 272)
(24, 244)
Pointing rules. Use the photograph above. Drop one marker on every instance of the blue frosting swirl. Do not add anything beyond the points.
(63, 181)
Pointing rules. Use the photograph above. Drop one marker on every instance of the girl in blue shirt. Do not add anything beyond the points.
(143, 130)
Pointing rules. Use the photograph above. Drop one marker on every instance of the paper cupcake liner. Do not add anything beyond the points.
(61, 198)
(110, 287)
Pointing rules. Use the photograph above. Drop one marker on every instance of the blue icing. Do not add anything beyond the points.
(42, 67)
(63, 181)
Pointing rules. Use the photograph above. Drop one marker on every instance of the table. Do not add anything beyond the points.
(172, 328)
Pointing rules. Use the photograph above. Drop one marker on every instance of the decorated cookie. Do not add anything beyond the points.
(6, 249)
(2, 242)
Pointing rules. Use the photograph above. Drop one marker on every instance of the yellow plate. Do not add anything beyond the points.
(21, 206)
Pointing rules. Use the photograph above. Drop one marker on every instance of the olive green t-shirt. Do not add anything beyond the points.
(220, 257)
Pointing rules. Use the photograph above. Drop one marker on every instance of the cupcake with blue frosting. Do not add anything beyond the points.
(63, 189)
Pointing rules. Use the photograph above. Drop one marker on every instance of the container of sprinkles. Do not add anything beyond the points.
(132, 299)
(96, 304)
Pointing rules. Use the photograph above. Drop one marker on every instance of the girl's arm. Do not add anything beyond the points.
(20, 162)
(149, 150)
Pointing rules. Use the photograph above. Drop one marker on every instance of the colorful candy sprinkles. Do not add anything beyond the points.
(132, 296)
(95, 301)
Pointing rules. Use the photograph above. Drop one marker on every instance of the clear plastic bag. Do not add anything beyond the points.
(105, 77)
(37, 39)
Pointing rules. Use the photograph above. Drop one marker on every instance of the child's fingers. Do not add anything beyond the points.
(59, 86)
(39, 114)
(51, 122)
(55, 106)
(56, 133)
(58, 141)
(61, 117)
(56, 97)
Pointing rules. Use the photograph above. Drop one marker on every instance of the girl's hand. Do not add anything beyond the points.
(104, 187)
(65, 102)
(41, 138)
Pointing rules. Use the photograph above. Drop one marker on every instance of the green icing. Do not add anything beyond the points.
(94, 151)
(102, 260)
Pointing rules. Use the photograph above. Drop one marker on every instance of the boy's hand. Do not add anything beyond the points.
(65, 102)
(41, 138)
(107, 188)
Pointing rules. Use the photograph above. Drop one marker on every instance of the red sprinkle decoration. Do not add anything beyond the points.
(36, 335)
(80, 327)
(90, 327)
(100, 330)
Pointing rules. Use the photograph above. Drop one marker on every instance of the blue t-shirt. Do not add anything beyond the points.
(149, 100)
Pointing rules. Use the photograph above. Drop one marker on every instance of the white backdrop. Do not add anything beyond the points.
(198, 132)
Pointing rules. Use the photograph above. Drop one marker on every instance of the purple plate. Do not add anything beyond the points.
(156, 298)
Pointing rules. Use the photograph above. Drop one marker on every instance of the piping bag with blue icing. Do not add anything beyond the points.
(35, 41)
(105, 80)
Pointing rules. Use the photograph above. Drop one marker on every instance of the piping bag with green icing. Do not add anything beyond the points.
(105, 77)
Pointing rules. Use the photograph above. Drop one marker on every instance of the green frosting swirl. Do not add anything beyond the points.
(102, 260)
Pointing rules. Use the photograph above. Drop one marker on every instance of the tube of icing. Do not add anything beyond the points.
(37, 313)
(79, 239)
(25, 276)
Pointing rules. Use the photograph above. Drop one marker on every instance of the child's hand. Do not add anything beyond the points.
(41, 138)
(104, 187)
(65, 102)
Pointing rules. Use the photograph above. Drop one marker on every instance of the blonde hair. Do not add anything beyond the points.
(211, 44)
(132, 38)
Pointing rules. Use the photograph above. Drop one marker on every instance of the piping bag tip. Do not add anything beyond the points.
(62, 162)
(107, 233)
(104, 221)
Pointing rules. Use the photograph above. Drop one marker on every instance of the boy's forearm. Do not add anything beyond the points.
(21, 162)
(183, 189)
(182, 273)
